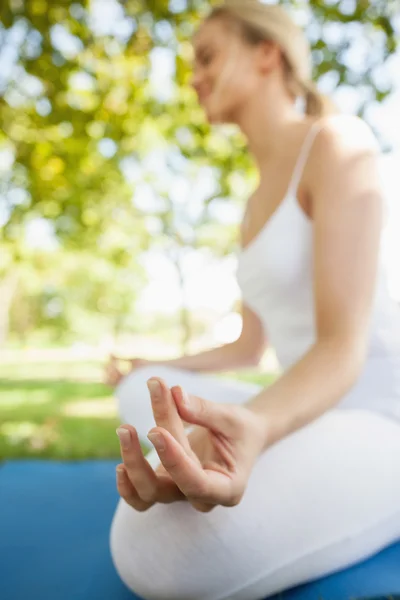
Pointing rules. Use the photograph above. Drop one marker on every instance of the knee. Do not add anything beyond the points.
(154, 554)
(138, 558)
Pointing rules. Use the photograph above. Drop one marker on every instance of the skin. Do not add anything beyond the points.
(209, 466)
(340, 191)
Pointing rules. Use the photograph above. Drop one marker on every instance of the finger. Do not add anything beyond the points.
(165, 412)
(195, 483)
(111, 368)
(169, 492)
(219, 418)
(113, 378)
(202, 507)
(112, 372)
(109, 377)
(117, 378)
(176, 392)
(140, 473)
(127, 491)
(148, 486)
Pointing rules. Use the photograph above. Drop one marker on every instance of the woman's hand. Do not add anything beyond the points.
(113, 373)
(138, 484)
(209, 467)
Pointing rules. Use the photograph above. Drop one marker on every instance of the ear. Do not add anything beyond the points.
(269, 56)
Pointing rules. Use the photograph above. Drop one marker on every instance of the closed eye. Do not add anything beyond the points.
(206, 59)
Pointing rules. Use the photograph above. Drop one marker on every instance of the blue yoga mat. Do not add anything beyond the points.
(54, 525)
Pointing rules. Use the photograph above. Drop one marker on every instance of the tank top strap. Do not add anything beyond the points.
(303, 156)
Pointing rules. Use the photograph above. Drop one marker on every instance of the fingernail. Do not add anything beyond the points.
(124, 437)
(186, 399)
(157, 440)
(120, 473)
(154, 387)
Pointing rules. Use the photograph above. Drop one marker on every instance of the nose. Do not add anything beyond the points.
(195, 80)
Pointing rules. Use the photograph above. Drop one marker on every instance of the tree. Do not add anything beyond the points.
(79, 108)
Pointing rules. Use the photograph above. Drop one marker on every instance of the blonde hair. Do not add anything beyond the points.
(259, 22)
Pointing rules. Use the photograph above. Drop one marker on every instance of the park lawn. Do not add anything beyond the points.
(62, 411)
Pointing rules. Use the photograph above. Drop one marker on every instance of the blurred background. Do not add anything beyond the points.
(119, 206)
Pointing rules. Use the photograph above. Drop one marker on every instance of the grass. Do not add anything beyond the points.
(62, 411)
(48, 417)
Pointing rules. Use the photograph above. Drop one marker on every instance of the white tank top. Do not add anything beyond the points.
(275, 276)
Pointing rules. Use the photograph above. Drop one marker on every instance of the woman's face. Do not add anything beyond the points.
(226, 71)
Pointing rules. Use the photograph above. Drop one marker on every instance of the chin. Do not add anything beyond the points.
(217, 118)
(229, 116)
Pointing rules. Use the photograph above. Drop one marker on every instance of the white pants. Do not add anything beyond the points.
(323, 498)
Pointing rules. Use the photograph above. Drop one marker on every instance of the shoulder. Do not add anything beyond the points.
(342, 143)
(343, 134)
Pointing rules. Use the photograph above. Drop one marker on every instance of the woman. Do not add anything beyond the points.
(303, 476)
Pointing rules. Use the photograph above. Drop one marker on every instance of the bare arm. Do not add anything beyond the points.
(246, 351)
(347, 206)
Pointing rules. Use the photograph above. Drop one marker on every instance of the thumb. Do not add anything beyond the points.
(198, 411)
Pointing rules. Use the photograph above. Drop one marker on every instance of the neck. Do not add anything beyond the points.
(268, 127)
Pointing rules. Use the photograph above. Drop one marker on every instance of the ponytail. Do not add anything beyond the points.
(316, 103)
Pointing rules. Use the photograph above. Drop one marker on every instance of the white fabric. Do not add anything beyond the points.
(275, 275)
(322, 499)
(319, 500)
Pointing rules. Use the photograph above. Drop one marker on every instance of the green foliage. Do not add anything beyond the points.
(74, 87)
(57, 419)
(74, 295)
(56, 410)
(80, 117)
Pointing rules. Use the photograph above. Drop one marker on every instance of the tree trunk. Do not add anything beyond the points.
(184, 312)
(8, 287)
